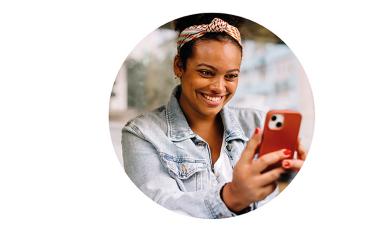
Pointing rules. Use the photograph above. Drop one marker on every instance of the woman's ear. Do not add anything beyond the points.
(178, 68)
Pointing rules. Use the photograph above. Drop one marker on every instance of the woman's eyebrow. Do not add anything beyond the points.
(215, 69)
(206, 65)
(233, 70)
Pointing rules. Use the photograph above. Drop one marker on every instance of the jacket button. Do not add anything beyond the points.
(229, 147)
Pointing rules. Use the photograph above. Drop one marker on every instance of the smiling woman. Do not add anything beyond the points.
(208, 82)
(210, 79)
(196, 155)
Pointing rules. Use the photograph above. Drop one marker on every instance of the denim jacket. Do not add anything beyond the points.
(172, 165)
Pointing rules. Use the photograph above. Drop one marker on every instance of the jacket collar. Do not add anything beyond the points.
(178, 128)
(177, 125)
(232, 128)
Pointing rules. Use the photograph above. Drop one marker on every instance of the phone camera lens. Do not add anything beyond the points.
(279, 124)
(273, 118)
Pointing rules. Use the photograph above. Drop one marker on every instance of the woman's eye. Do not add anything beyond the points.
(205, 73)
(231, 76)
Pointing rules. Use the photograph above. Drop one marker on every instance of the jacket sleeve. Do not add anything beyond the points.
(143, 166)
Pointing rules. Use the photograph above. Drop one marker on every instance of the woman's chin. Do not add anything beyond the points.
(211, 112)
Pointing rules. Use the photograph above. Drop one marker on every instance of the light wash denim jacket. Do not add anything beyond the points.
(172, 165)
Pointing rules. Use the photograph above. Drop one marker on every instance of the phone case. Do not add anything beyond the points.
(281, 129)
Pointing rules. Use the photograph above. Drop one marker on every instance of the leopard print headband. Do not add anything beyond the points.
(197, 31)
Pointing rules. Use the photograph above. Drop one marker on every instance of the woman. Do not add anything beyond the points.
(196, 155)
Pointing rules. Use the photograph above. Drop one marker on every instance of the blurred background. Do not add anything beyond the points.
(271, 78)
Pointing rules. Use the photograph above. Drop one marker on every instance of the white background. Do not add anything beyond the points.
(59, 59)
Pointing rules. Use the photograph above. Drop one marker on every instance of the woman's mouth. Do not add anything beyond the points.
(212, 100)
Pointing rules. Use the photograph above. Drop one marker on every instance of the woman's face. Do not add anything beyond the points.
(210, 78)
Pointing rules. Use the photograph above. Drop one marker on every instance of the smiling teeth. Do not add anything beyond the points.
(213, 99)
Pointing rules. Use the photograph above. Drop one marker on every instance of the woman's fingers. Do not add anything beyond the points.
(263, 192)
(271, 158)
(296, 164)
(270, 176)
(250, 150)
(301, 151)
(293, 164)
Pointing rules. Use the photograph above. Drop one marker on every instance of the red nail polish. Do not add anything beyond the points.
(287, 152)
(286, 165)
(257, 130)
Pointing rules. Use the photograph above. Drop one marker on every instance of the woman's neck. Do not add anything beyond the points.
(205, 125)
(210, 128)
(197, 120)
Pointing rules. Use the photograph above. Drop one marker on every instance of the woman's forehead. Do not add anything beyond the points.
(214, 52)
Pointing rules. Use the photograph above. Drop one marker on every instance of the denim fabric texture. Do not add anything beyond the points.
(172, 165)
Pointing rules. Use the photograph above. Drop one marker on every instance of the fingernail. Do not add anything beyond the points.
(257, 130)
(287, 152)
(286, 165)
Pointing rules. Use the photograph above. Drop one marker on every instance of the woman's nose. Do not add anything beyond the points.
(218, 85)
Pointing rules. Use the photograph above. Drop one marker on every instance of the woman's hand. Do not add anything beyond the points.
(296, 164)
(249, 182)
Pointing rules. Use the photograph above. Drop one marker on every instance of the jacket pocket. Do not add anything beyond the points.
(190, 174)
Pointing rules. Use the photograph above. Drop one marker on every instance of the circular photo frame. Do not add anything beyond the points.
(188, 109)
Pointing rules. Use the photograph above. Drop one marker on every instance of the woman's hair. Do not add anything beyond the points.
(182, 23)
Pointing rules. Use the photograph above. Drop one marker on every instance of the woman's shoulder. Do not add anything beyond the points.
(149, 121)
(246, 113)
(247, 118)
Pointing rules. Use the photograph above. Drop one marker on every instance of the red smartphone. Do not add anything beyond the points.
(281, 129)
